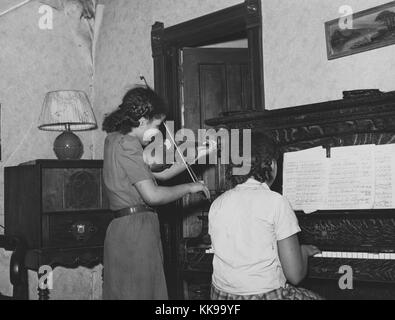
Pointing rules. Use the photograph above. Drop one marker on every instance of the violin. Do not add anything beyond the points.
(160, 165)
(157, 162)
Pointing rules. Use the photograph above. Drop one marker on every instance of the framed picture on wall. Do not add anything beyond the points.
(366, 30)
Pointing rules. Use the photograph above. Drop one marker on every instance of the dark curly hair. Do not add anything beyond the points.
(263, 152)
(137, 103)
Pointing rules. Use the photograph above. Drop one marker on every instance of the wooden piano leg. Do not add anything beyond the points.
(186, 290)
(43, 294)
(21, 289)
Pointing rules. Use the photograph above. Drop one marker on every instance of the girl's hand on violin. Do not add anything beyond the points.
(199, 187)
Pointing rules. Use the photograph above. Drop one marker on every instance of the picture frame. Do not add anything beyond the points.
(371, 29)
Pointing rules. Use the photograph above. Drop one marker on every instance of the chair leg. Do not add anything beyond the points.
(19, 275)
(43, 294)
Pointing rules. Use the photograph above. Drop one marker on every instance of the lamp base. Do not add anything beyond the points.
(68, 146)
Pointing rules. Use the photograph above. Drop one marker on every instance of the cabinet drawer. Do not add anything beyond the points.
(75, 229)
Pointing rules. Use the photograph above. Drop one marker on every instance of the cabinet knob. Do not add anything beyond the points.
(83, 230)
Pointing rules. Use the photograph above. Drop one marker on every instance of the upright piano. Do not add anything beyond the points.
(361, 239)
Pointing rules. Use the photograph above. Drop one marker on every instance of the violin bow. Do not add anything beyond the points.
(190, 171)
(143, 78)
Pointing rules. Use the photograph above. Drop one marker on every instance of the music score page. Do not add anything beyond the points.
(354, 177)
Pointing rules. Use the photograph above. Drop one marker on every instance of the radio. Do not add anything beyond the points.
(59, 210)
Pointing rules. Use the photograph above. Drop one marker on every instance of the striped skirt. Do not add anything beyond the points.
(287, 293)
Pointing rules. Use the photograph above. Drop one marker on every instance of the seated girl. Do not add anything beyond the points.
(253, 231)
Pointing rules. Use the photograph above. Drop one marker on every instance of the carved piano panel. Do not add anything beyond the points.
(353, 231)
(363, 269)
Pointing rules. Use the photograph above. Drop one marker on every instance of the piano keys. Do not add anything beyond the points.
(356, 255)
(343, 255)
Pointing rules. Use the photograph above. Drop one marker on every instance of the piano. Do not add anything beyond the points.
(360, 239)
(363, 240)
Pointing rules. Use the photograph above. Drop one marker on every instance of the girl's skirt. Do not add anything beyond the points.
(133, 259)
(289, 292)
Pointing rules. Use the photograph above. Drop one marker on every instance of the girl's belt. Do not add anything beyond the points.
(132, 210)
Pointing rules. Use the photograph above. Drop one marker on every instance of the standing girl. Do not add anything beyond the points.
(133, 258)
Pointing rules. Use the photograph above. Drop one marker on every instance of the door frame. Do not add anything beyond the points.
(167, 44)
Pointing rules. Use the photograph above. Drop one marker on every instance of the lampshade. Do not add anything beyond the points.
(67, 110)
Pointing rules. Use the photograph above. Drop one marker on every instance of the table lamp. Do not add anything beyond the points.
(67, 111)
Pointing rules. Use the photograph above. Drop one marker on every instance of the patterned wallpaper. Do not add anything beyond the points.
(33, 62)
(124, 46)
(172, 12)
(123, 52)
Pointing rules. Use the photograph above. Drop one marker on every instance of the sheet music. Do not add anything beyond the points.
(351, 183)
(304, 177)
(385, 176)
(355, 177)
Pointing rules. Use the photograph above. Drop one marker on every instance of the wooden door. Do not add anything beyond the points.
(214, 81)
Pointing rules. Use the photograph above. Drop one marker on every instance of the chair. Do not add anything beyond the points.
(18, 272)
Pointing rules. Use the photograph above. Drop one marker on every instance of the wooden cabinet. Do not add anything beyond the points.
(59, 210)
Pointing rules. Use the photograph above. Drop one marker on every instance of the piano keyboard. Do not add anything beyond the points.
(356, 255)
(347, 255)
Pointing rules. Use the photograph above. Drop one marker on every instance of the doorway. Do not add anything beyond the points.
(200, 77)
(215, 82)
(243, 21)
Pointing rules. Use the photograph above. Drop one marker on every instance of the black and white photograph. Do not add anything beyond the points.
(197, 155)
